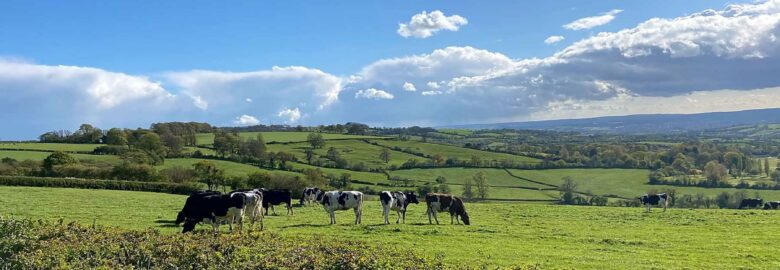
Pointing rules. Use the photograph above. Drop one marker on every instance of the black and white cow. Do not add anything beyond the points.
(215, 209)
(273, 197)
(341, 200)
(751, 203)
(309, 195)
(181, 216)
(771, 205)
(446, 203)
(253, 205)
(397, 201)
(661, 199)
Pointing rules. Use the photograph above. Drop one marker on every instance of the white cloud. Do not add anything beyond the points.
(246, 120)
(423, 25)
(433, 85)
(409, 87)
(372, 93)
(553, 39)
(290, 115)
(248, 100)
(431, 93)
(590, 22)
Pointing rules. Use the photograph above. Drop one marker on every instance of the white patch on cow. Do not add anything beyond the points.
(352, 200)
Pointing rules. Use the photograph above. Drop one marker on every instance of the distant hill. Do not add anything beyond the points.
(645, 123)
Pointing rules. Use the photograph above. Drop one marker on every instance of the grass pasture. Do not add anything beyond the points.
(230, 168)
(501, 234)
(64, 147)
(37, 155)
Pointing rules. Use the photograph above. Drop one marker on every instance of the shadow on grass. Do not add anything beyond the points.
(166, 223)
(308, 225)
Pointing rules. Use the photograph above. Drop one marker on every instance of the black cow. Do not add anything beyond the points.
(180, 217)
(214, 209)
(771, 205)
(276, 197)
(751, 203)
(655, 199)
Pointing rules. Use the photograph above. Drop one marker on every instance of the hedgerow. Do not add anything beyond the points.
(162, 187)
(26, 244)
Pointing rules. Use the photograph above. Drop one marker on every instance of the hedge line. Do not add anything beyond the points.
(161, 187)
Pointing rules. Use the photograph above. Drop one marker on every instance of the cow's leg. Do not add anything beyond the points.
(404, 214)
(666, 204)
(398, 220)
(289, 209)
(429, 216)
(273, 210)
(357, 216)
(435, 217)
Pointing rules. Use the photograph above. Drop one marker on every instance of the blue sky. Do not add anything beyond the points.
(129, 63)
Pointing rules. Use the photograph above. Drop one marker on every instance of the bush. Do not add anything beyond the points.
(41, 245)
(98, 184)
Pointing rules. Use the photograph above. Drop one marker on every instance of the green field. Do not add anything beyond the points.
(279, 137)
(501, 234)
(356, 175)
(448, 151)
(37, 155)
(65, 147)
(355, 151)
(230, 168)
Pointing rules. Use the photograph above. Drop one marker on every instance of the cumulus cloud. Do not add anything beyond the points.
(590, 22)
(553, 39)
(409, 87)
(290, 115)
(38, 98)
(372, 93)
(423, 25)
(433, 85)
(246, 120)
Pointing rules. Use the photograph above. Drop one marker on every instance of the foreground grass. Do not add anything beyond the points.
(502, 233)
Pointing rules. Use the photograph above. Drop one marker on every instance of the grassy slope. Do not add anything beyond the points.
(208, 138)
(502, 233)
(65, 147)
(363, 176)
(35, 155)
(448, 151)
(354, 151)
(230, 168)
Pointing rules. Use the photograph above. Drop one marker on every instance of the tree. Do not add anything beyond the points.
(766, 166)
(475, 161)
(208, 173)
(567, 190)
(116, 136)
(58, 158)
(333, 154)
(153, 146)
(316, 140)
(309, 154)
(760, 167)
(315, 178)
(714, 172)
(442, 187)
(438, 160)
(482, 185)
(385, 155)
(775, 176)
(468, 191)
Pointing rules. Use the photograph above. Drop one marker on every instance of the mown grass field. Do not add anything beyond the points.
(279, 137)
(448, 151)
(502, 234)
(37, 155)
(65, 147)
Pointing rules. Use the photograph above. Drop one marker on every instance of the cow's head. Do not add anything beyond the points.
(465, 217)
(189, 225)
(237, 200)
(180, 218)
(320, 195)
(411, 197)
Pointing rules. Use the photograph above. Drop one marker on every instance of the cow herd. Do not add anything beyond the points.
(215, 208)
(662, 200)
(755, 203)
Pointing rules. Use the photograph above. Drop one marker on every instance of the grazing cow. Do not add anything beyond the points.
(656, 199)
(253, 205)
(180, 217)
(446, 203)
(397, 201)
(273, 197)
(309, 195)
(771, 205)
(751, 203)
(341, 200)
(214, 209)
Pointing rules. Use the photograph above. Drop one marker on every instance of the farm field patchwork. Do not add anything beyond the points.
(279, 137)
(230, 168)
(448, 151)
(355, 151)
(501, 234)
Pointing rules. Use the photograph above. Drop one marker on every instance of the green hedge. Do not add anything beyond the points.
(161, 187)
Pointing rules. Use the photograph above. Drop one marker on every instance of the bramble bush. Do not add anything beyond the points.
(26, 244)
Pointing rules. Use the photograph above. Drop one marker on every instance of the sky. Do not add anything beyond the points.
(400, 63)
